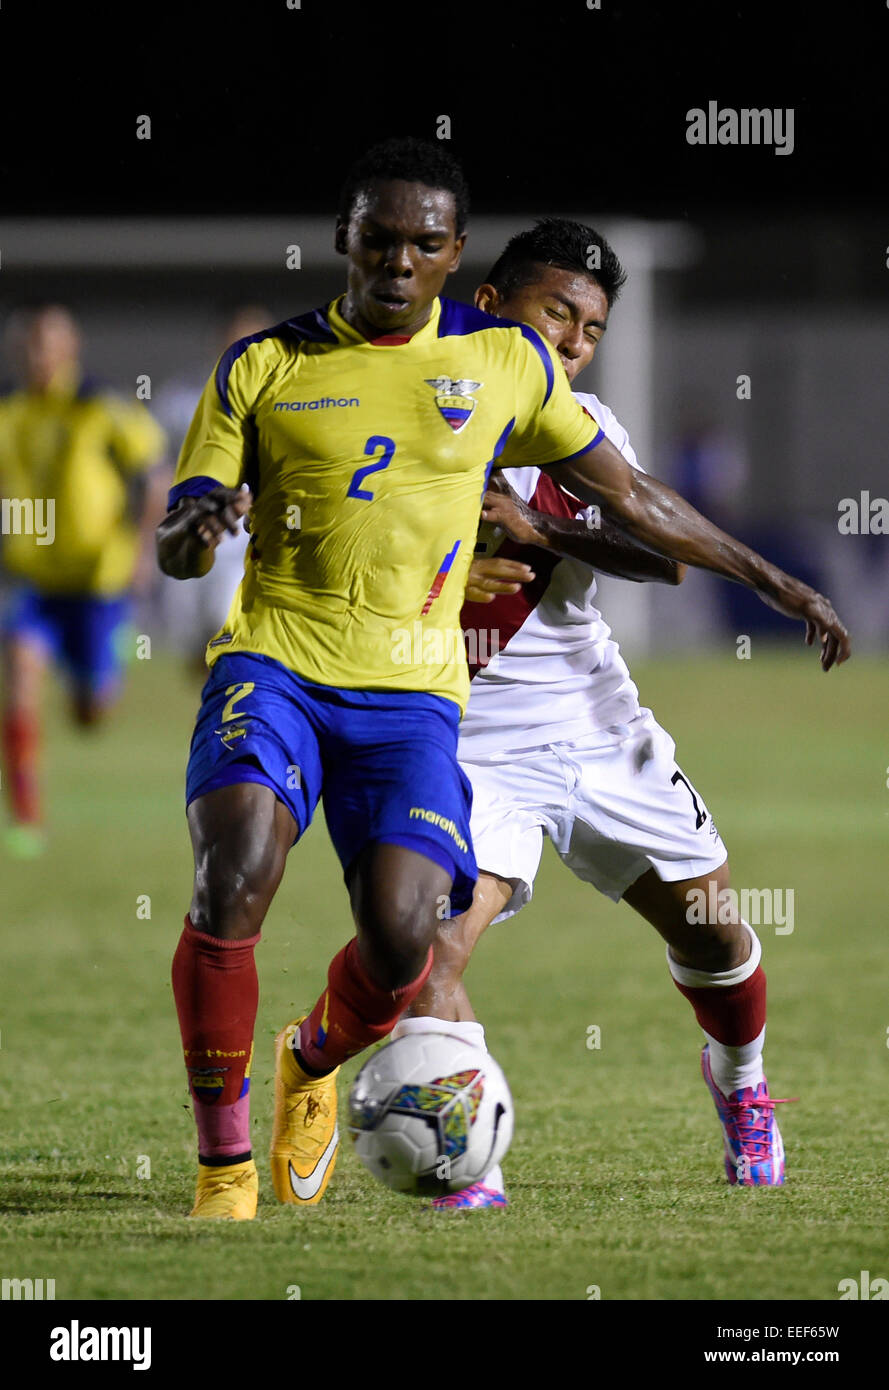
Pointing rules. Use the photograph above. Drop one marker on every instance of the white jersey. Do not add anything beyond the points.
(556, 673)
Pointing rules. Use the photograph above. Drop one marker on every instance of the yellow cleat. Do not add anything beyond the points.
(227, 1194)
(305, 1137)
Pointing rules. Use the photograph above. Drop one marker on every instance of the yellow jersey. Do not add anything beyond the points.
(368, 460)
(66, 455)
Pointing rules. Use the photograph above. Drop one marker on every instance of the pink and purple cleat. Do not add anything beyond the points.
(754, 1150)
(477, 1195)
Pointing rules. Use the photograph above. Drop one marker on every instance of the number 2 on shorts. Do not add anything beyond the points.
(237, 692)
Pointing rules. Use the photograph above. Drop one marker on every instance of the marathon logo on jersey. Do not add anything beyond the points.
(454, 399)
(442, 822)
(322, 403)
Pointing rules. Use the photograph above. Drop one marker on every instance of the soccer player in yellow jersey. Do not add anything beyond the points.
(79, 503)
(359, 438)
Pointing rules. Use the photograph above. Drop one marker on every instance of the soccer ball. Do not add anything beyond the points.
(430, 1114)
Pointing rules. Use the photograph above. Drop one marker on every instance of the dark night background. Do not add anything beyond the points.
(257, 108)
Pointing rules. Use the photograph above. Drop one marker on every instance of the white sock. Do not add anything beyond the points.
(703, 979)
(468, 1031)
(733, 1068)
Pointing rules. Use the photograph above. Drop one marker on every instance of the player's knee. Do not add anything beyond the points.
(230, 892)
(715, 950)
(713, 946)
(395, 897)
(703, 925)
(240, 843)
(396, 936)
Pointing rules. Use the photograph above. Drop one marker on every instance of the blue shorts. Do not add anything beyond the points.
(83, 633)
(384, 762)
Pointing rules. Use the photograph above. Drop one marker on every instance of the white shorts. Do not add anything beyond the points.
(195, 610)
(614, 804)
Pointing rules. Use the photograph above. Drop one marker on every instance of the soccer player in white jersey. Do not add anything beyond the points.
(555, 743)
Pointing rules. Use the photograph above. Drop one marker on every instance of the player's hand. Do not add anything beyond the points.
(490, 577)
(503, 507)
(798, 600)
(218, 512)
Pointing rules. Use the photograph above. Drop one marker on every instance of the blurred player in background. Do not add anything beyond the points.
(193, 612)
(555, 743)
(80, 501)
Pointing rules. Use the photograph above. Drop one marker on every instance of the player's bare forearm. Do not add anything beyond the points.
(603, 545)
(659, 517)
(606, 547)
(188, 536)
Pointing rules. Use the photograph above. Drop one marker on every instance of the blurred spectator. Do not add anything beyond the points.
(709, 465)
(81, 496)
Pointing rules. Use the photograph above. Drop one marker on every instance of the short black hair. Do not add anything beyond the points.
(557, 242)
(415, 161)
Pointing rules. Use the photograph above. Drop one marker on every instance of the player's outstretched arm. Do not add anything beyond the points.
(605, 546)
(659, 517)
(188, 536)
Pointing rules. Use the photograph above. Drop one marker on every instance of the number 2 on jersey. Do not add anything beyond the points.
(376, 442)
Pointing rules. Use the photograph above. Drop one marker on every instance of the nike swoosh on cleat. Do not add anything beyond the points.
(498, 1116)
(306, 1188)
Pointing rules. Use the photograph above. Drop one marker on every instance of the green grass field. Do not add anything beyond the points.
(615, 1174)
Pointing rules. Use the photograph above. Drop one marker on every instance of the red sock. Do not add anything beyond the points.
(21, 742)
(733, 1014)
(217, 994)
(353, 1012)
